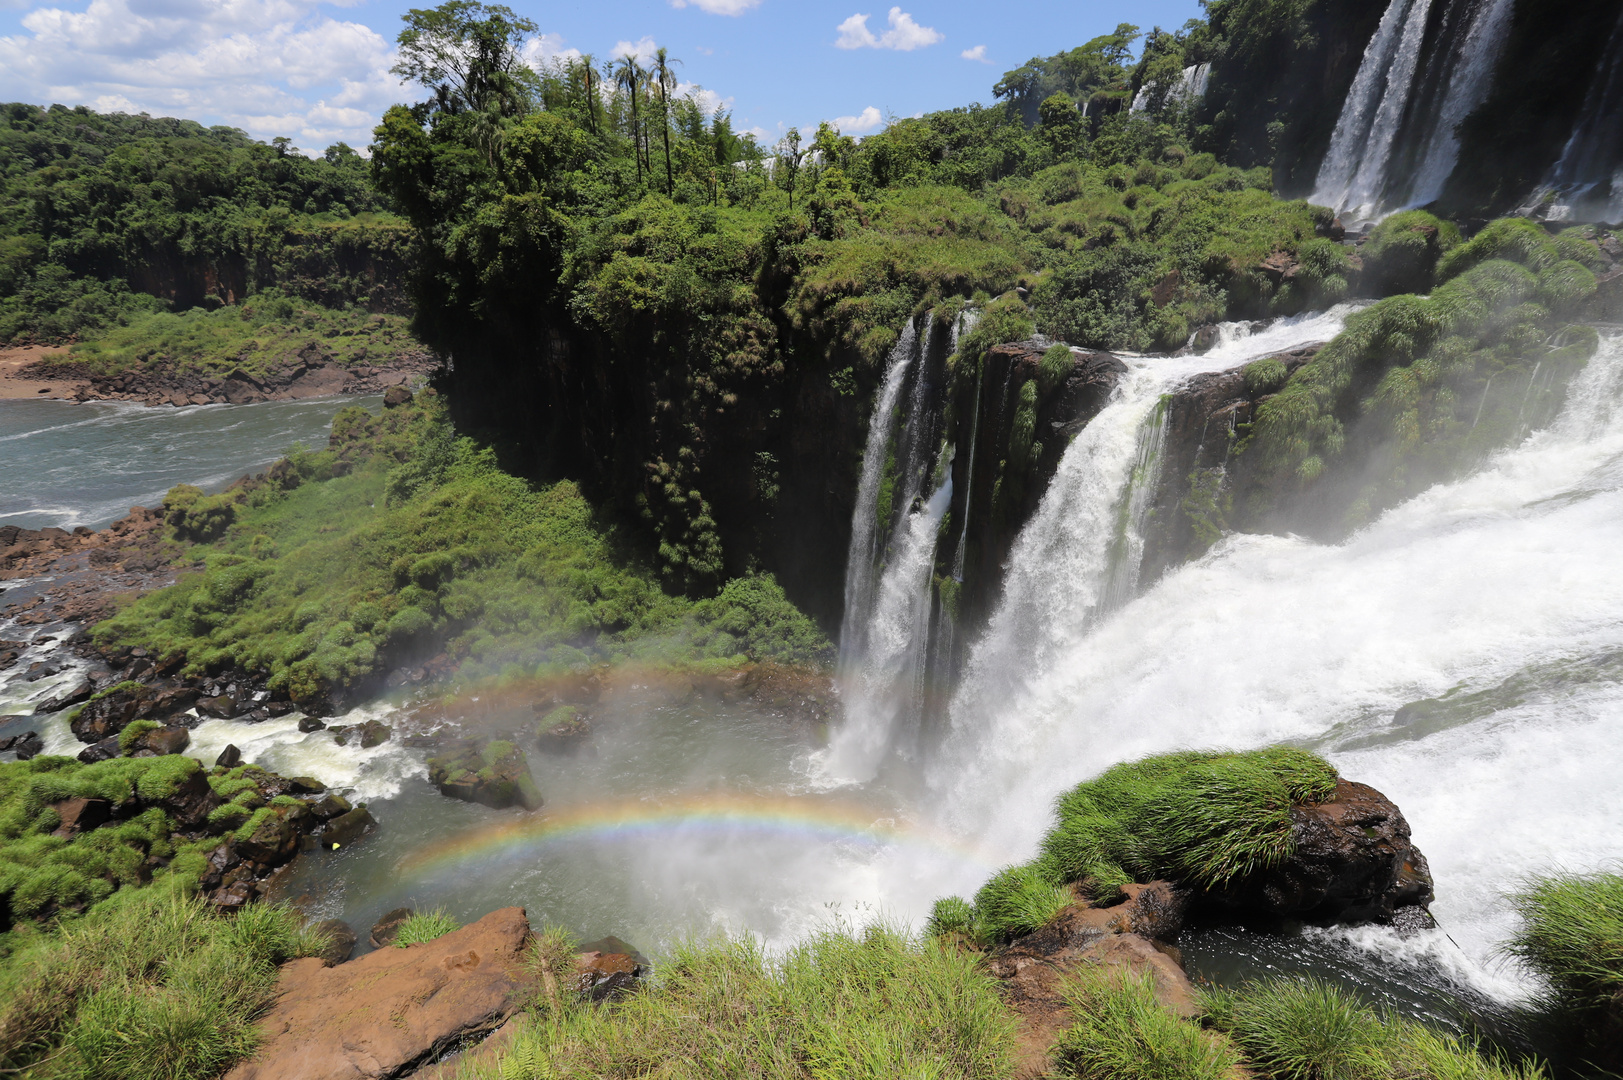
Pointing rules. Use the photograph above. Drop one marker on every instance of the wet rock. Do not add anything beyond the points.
(1353, 863)
(375, 733)
(100, 751)
(330, 806)
(81, 815)
(381, 1014)
(234, 896)
(276, 840)
(493, 773)
(305, 785)
(387, 928)
(78, 693)
(276, 709)
(26, 745)
(346, 828)
(563, 730)
(192, 801)
(229, 758)
(160, 741)
(396, 396)
(311, 723)
(340, 941)
(220, 707)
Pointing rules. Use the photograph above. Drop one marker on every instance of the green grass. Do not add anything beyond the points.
(425, 926)
(850, 1005)
(1201, 818)
(263, 333)
(1121, 1032)
(1306, 1029)
(401, 541)
(152, 987)
(1571, 935)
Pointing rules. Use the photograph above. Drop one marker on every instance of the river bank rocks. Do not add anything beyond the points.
(313, 373)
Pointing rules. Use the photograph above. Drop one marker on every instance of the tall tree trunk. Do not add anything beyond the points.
(665, 131)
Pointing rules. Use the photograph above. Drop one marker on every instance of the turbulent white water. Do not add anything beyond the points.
(1353, 175)
(1191, 87)
(1510, 572)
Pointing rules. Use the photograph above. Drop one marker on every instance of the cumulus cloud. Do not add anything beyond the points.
(865, 121)
(718, 7)
(272, 67)
(643, 49)
(904, 34)
(544, 49)
(977, 53)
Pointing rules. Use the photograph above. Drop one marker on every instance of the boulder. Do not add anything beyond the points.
(81, 814)
(1354, 863)
(388, 1012)
(494, 773)
(384, 930)
(160, 741)
(276, 839)
(346, 828)
(74, 694)
(26, 745)
(100, 751)
(308, 724)
(396, 396)
(191, 802)
(374, 733)
(340, 940)
(229, 758)
(330, 806)
(220, 707)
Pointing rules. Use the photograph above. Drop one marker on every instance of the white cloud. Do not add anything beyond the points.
(718, 7)
(643, 49)
(273, 67)
(863, 122)
(904, 34)
(544, 49)
(977, 53)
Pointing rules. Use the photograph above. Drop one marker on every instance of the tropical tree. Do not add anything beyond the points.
(629, 76)
(667, 83)
(467, 52)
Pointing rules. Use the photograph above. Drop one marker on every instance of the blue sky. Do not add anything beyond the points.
(318, 72)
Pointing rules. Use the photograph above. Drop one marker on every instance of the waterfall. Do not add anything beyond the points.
(1191, 88)
(883, 689)
(1353, 176)
(1468, 70)
(1503, 586)
(1589, 175)
(861, 556)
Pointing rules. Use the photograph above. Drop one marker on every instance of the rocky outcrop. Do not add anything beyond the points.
(492, 772)
(1354, 863)
(386, 1013)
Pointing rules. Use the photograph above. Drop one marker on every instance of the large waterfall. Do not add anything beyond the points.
(1501, 591)
(1424, 71)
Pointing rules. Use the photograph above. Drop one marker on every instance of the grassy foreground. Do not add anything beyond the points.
(401, 541)
(150, 986)
(1572, 937)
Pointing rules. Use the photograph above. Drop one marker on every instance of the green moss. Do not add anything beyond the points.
(1571, 936)
(1265, 376)
(134, 730)
(1056, 366)
(1402, 253)
(424, 926)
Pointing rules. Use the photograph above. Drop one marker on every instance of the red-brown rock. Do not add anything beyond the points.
(394, 1009)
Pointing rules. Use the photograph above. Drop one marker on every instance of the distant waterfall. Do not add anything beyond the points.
(1191, 88)
(1466, 69)
(1425, 70)
(1353, 174)
(1589, 176)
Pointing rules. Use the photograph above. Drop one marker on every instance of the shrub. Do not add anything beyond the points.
(1017, 900)
(1265, 376)
(1121, 1032)
(424, 926)
(1055, 368)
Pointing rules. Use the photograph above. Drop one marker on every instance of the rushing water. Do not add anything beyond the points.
(68, 465)
(1589, 176)
(685, 814)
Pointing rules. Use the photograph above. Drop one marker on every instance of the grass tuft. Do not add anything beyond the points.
(425, 926)
(1123, 1033)
(1572, 936)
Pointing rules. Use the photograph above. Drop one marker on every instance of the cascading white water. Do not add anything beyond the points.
(1353, 175)
(1470, 76)
(861, 570)
(1509, 574)
(883, 688)
(1589, 175)
(1191, 87)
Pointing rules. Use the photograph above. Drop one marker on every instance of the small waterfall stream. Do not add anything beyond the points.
(1589, 176)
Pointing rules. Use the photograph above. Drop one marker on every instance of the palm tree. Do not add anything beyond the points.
(630, 77)
(667, 82)
(586, 64)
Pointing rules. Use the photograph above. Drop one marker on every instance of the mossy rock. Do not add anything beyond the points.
(491, 772)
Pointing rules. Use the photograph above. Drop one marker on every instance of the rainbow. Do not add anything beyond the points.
(802, 821)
